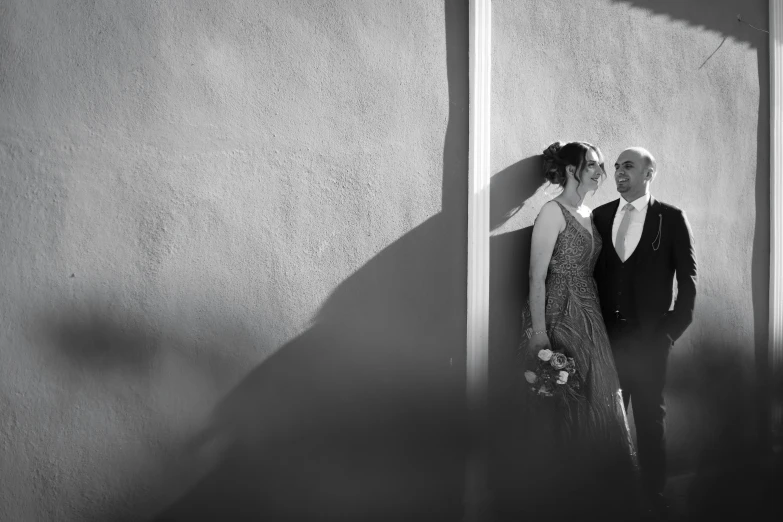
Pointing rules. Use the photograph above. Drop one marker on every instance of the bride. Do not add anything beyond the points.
(590, 456)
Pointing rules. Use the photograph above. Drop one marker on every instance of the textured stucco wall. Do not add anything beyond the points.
(233, 244)
(690, 83)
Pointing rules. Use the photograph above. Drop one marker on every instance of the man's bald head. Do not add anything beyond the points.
(647, 158)
(633, 172)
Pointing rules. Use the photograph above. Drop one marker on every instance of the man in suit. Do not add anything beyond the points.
(647, 244)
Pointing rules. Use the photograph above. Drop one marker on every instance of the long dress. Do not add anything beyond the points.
(585, 465)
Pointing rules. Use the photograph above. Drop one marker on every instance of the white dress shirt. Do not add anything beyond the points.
(635, 226)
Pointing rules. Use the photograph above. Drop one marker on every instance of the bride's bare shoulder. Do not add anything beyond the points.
(550, 214)
(550, 207)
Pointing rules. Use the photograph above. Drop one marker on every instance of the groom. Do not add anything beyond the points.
(647, 244)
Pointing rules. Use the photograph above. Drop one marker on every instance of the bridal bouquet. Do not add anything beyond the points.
(554, 374)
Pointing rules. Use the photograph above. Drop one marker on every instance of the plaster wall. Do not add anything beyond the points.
(233, 258)
(689, 82)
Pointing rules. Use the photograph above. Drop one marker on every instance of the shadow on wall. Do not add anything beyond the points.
(108, 341)
(722, 17)
(512, 187)
(509, 265)
(362, 417)
(714, 16)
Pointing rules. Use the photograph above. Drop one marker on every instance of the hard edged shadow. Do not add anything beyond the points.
(509, 266)
(362, 417)
(714, 16)
(512, 187)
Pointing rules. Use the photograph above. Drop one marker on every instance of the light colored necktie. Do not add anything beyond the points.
(619, 244)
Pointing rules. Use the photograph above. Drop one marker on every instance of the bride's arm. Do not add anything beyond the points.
(549, 223)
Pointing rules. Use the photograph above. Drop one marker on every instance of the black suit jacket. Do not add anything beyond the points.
(665, 250)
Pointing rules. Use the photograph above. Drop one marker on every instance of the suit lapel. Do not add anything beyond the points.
(606, 221)
(650, 229)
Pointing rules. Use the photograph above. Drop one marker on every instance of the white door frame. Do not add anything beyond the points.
(478, 202)
(480, 47)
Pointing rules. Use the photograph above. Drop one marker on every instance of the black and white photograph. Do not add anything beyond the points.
(391, 260)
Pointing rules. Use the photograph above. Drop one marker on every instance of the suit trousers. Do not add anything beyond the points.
(641, 360)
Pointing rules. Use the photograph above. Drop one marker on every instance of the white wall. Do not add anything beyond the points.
(195, 191)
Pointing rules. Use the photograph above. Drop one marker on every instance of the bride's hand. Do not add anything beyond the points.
(538, 342)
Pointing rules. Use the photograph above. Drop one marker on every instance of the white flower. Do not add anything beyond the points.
(545, 354)
(562, 377)
(530, 377)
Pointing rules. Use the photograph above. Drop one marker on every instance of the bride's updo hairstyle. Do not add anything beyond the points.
(560, 155)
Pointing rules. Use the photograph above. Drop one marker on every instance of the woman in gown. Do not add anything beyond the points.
(583, 463)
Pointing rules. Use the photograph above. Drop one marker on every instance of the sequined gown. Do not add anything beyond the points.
(590, 458)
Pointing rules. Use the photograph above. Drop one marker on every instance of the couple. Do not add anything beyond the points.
(601, 290)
